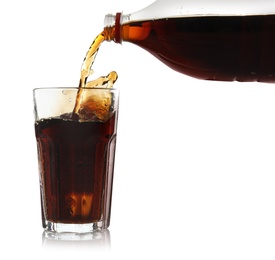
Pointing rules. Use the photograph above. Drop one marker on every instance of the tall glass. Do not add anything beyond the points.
(76, 154)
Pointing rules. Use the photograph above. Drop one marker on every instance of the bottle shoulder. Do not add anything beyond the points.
(187, 8)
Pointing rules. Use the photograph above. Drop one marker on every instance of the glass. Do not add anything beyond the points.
(76, 158)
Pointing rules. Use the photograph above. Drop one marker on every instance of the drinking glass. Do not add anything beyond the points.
(76, 154)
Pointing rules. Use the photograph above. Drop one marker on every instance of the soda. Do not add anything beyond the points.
(222, 48)
(76, 159)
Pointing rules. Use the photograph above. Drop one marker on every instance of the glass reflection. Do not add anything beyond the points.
(94, 240)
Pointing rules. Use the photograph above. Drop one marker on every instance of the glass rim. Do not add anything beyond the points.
(74, 88)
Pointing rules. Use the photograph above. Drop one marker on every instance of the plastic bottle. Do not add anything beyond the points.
(207, 39)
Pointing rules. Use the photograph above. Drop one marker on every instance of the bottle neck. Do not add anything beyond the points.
(112, 26)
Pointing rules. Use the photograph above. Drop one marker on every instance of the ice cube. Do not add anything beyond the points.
(96, 105)
(79, 204)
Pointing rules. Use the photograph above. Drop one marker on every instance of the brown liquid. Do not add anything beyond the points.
(86, 71)
(223, 48)
(76, 158)
(76, 153)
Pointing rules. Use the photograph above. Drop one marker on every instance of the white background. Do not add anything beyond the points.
(194, 175)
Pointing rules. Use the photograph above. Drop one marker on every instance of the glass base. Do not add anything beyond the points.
(96, 238)
(74, 228)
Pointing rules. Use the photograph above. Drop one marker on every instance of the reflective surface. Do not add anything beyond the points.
(99, 240)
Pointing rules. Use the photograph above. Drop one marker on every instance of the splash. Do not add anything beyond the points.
(87, 106)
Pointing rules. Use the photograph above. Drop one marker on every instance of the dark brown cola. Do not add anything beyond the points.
(222, 48)
(76, 162)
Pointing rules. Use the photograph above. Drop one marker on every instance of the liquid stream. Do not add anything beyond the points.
(102, 82)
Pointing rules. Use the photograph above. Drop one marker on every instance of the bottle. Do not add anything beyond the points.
(222, 40)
